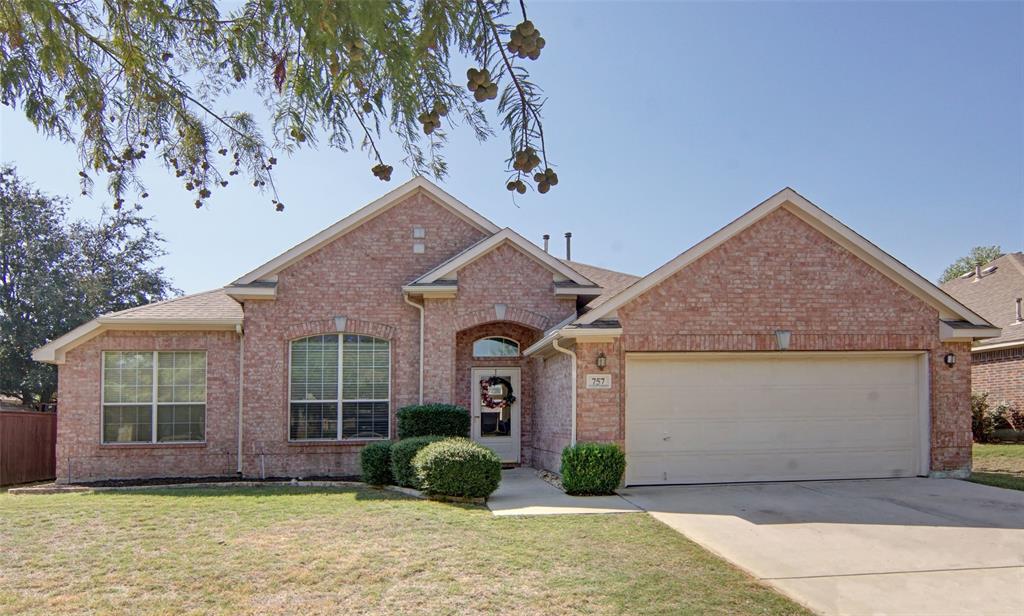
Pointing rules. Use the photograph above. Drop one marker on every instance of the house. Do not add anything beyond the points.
(783, 347)
(995, 292)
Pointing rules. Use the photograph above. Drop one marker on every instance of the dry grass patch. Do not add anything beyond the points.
(326, 551)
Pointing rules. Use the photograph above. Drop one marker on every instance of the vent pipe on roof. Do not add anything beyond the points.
(568, 246)
(1020, 316)
(546, 239)
(977, 272)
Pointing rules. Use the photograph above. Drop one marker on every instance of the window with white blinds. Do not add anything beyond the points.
(340, 388)
(154, 396)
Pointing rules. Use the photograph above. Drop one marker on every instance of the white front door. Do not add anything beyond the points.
(496, 423)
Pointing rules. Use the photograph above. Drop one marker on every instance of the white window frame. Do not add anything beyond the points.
(154, 403)
(519, 348)
(340, 400)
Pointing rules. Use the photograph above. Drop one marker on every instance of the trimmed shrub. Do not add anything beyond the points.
(402, 454)
(457, 467)
(592, 468)
(433, 420)
(375, 462)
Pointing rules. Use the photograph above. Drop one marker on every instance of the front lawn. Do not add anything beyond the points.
(999, 465)
(324, 551)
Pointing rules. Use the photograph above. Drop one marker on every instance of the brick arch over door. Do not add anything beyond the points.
(502, 314)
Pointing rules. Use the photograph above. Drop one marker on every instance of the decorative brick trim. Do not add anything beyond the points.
(516, 314)
(327, 326)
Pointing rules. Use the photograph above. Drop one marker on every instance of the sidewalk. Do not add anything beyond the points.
(522, 492)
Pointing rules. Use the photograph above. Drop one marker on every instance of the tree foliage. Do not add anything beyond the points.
(980, 255)
(131, 79)
(56, 275)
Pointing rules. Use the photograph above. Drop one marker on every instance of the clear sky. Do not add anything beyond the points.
(905, 120)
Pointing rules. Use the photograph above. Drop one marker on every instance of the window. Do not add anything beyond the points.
(154, 397)
(340, 388)
(495, 346)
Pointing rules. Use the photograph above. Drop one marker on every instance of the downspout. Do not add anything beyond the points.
(419, 307)
(572, 356)
(241, 389)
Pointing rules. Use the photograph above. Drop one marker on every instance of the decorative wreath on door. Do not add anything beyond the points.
(496, 402)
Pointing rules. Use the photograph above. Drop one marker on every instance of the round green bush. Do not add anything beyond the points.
(402, 454)
(375, 463)
(457, 467)
(433, 420)
(592, 468)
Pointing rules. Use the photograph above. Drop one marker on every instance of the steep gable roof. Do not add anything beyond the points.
(350, 222)
(993, 296)
(448, 269)
(795, 203)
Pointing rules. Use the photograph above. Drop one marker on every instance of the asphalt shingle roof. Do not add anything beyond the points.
(215, 304)
(993, 297)
(610, 281)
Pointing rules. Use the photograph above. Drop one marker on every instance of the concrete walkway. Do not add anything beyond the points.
(522, 492)
(888, 546)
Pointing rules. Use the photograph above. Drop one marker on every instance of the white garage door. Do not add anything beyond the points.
(710, 418)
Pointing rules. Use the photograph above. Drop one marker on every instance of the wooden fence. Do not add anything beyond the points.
(28, 446)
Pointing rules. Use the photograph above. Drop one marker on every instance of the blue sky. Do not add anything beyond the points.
(666, 121)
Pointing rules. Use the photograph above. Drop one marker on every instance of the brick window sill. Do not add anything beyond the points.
(353, 443)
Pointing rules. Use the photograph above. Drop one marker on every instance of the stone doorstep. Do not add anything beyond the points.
(53, 488)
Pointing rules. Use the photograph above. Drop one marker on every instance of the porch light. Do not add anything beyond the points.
(950, 359)
(602, 360)
(782, 339)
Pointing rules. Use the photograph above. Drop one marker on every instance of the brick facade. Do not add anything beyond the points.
(80, 454)
(780, 273)
(1000, 372)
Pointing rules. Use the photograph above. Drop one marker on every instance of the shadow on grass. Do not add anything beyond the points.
(999, 480)
(276, 491)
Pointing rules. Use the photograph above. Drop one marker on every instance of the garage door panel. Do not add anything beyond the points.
(691, 420)
(778, 435)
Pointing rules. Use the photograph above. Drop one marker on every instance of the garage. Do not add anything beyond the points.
(774, 416)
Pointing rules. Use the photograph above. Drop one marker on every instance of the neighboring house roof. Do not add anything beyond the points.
(207, 310)
(949, 308)
(994, 296)
(448, 270)
(275, 265)
(610, 281)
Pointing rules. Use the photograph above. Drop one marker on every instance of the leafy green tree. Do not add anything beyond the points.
(128, 80)
(54, 276)
(980, 255)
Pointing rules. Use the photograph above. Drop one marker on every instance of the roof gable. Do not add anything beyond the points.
(821, 221)
(448, 270)
(362, 215)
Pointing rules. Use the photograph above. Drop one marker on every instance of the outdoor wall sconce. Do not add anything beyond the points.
(950, 359)
(602, 360)
(782, 338)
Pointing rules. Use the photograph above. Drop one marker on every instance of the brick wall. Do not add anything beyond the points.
(505, 276)
(358, 276)
(1000, 373)
(552, 418)
(80, 454)
(780, 273)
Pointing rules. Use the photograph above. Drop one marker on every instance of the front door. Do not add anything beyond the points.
(496, 417)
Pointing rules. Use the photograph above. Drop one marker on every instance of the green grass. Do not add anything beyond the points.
(999, 465)
(324, 551)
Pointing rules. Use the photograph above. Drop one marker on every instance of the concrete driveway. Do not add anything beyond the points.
(887, 546)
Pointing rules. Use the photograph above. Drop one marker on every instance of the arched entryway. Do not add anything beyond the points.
(488, 365)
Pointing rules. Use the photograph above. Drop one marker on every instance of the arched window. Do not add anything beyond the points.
(495, 346)
(339, 380)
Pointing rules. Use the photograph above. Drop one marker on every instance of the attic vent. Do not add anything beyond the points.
(979, 273)
(1020, 315)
